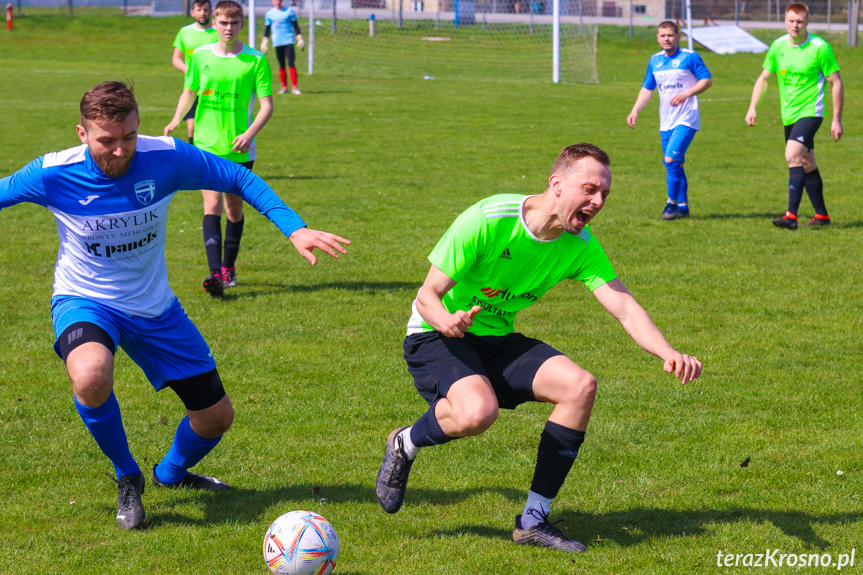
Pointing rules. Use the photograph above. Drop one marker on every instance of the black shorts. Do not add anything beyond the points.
(286, 50)
(510, 363)
(190, 115)
(248, 165)
(803, 131)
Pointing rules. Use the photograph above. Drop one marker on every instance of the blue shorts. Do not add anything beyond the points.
(676, 141)
(166, 348)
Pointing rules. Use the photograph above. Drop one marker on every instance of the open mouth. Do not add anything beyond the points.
(582, 217)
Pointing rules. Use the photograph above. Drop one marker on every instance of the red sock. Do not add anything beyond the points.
(283, 76)
(293, 72)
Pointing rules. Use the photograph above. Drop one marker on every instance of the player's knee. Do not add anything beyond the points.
(669, 160)
(214, 421)
(223, 420)
(235, 213)
(579, 389)
(477, 418)
(90, 384)
(794, 159)
(212, 203)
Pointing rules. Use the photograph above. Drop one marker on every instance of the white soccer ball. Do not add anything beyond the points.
(301, 543)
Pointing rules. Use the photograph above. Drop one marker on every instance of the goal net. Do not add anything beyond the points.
(490, 40)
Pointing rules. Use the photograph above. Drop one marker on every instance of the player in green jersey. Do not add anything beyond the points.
(802, 62)
(188, 38)
(467, 360)
(226, 77)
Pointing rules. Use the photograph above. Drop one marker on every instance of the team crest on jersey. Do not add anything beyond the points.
(145, 191)
(675, 63)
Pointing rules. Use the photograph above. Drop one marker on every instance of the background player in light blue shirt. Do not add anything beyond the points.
(282, 23)
(680, 75)
(110, 198)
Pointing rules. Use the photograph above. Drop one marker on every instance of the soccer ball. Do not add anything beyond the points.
(301, 543)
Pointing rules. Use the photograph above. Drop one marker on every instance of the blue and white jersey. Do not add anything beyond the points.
(672, 75)
(112, 230)
(280, 23)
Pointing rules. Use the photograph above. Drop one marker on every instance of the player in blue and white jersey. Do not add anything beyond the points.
(282, 23)
(110, 198)
(679, 75)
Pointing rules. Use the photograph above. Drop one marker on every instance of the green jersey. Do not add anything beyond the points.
(502, 267)
(191, 37)
(801, 71)
(226, 88)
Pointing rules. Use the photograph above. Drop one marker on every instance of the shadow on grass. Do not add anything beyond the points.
(640, 525)
(773, 215)
(257, 289)
(755, 216)
(625, 528)
(248, 506)
(268, 177)
(635, 526)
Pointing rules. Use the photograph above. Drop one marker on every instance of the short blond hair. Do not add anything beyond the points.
(228, 9)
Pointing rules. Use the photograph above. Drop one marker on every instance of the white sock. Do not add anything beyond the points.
(411, 450)
(535, 510)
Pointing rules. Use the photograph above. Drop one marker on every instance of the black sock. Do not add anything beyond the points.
(233, 235)
(795, 188)
(213, 242)
(815, 190)
(426, 431)
(192, 140)
(558, 448)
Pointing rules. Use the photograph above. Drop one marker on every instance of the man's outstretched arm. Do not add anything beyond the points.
(617, 300)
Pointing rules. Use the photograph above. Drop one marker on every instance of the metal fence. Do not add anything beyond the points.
(756, 10)
(747, 13)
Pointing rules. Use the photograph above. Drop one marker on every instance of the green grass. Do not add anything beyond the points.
(312, 356)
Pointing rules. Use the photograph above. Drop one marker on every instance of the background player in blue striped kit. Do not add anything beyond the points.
(680, 75)
(110, 198)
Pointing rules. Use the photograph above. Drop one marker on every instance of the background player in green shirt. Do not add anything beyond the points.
(226, 77)
(802, 61)
(200, 33)
(500, 256)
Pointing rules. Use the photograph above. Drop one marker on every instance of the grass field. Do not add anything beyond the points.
(312, 356)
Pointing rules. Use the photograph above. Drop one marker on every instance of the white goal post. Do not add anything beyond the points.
(541, 40)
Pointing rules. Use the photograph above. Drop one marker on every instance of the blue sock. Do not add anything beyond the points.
(187, 450)
(105, 424)
(674, 177)
(683, 192)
